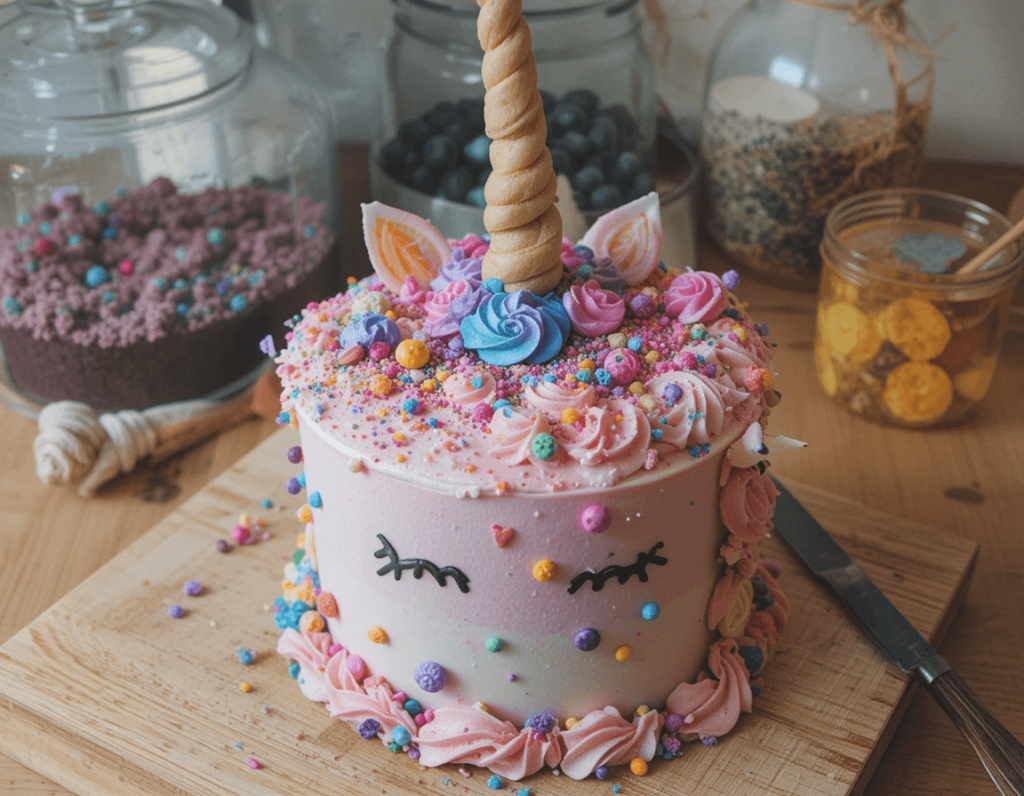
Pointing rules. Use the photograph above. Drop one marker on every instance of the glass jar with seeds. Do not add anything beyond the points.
(907, 332)
(803, 109)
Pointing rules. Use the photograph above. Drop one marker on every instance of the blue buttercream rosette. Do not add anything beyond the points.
(510, 328)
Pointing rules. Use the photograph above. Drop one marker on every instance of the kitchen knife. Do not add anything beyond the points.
(1000, 753)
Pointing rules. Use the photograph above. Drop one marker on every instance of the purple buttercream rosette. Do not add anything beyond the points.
(509, 328)
(460, 308)
(369, 329)
(459, 267)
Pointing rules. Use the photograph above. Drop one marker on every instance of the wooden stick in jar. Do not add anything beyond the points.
(977, 262)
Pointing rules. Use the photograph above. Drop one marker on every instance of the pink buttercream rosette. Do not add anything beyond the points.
(747, 503)
(696, 297)
(592, 310)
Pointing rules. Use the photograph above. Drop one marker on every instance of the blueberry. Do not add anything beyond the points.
(477, 151)
(423, 179)
(567, 116)
(476, 197)
(642, 185)
(470, 108)
(561, 160)
(456, 184)
(604, 135)
(414, 132)
(606, 197)
(587, 179)
(481, 178)
(627, 166)
(585, 98)
(548, 99)
(409, 164)
(458, 132)
(581, 201)
(440, 153)
(392, 157)
(441, 115)
(603, 163)
(576, 144)
(624, 121)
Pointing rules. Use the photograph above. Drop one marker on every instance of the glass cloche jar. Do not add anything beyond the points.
(805, 107)
(596, 80)
(167, 199)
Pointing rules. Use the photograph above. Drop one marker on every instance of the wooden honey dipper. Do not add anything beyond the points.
(521, 217)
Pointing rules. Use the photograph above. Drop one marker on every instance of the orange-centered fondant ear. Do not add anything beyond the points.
(402, 244)
(630, 236)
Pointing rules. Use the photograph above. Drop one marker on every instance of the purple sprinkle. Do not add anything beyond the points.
(731, 279)
(267, 346)
(707, 740)
(674, 722)
(710, 370)
(295, 454)
(192, 588)
(761, 328)
(369, 729)
(223, 546)
(175, 612)
(430, 676)
(542, 722)
(642, 305)
(672, 393)
(414, 753)
(586, 639)
(511, 677)
(602, 772)
(293, 486)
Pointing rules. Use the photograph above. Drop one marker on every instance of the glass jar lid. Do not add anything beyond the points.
(82, 59)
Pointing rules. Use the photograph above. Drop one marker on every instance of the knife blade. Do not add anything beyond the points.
(1001, 754)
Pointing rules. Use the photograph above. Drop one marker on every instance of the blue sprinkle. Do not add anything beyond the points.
(410, 405)
(501, 403)
(302, 479)
(180, 284)
(245, 657)
(31, 266)
(11, 306)
(96, 275)
(657, 434)
(267, 503)
(635, 344)
(108, 297)
(585, 272)
(122, 191)
(215, 236)
(650, 611)
(494, 782)
(110, 233)
(412, 707)
(45, 227)
(182, 308)
(432, 422)
(309, 231)
(477, 382)
(550, 379)
(315, 500)
(400, 735)
(101, 209)
(160, 283)
(584, 376)
(24, 219)
(603, 376)
(239, 303)
(616, 788)
(180, 254)
(74, 240)
(293, 670)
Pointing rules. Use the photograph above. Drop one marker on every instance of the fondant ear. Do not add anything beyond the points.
(402, 244)
(630, 236)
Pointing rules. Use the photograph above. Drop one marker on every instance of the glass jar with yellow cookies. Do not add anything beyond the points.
(902, 336)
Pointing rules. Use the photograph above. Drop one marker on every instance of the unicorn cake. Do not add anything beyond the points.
(534, 476)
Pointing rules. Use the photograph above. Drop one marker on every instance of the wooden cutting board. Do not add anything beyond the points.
(107, 695)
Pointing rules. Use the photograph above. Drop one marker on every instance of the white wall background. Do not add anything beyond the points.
(978, 105)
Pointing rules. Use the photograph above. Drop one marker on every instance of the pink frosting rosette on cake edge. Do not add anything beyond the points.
(555, 399)
(309, 650)
(696, 297)
(468, 735)
(713, 705)
(747, 503)
(459, 388)
(513, 430)
(373, 699)
(604, 738)
(612, 434)
(592, 310)
(705, 409)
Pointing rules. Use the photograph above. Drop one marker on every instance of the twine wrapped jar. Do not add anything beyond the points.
(596, 80)
(808, 102)
(902, 338)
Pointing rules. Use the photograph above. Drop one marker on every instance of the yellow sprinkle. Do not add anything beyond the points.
(544, 570)
(355, 465)
(398, 436)
(322, 317)
(570, 415)
(648, 403)
(311, 622)
(637, 388)
(293, 419)
(401, 458)
(245, 520)
(588, 364)
(443, 376)
(652, 356)
(305, 513)
(740, 332)
(470, 468)
(571, 722)
(380, 385)
(412, 354)
(300, 540)
(377, 634)
(331, 380)
(246, 688)
(428, 385)
(501, 487)
(638, 766)
(623, 653)
(482, 706)
(390, 314)
(571, 379)
(643, 710)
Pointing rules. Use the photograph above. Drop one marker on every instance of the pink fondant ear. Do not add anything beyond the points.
(402, 244)
(630, 236)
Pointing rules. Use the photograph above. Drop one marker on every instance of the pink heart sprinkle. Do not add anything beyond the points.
(502, 535)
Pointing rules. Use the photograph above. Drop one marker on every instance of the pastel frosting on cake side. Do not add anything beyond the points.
(532, 523)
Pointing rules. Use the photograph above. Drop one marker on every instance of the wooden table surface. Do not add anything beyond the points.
(968, 480)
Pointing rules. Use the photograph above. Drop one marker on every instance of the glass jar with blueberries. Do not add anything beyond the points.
(596, 80)
(168, 198)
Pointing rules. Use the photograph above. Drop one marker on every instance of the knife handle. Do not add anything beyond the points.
(1001, 754)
